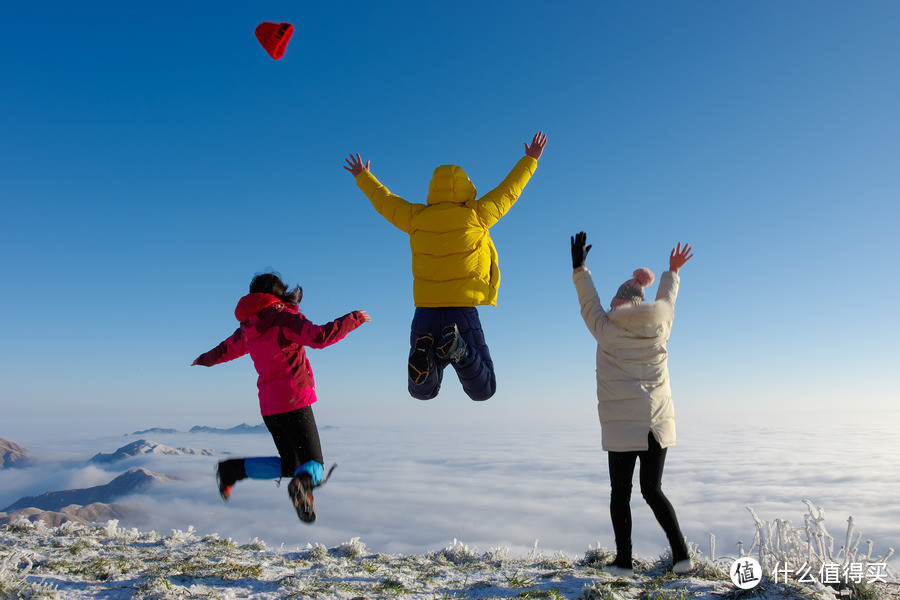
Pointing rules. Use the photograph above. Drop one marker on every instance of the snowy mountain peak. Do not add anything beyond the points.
(130, 482)
(145, 447)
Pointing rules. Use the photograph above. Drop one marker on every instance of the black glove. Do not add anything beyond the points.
(579, 250)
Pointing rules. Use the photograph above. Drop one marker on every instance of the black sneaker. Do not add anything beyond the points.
(226, 476)
(421, 361)
(453, 347)
(224, 489)
(300, 490)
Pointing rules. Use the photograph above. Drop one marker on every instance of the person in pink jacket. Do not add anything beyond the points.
(275, 333)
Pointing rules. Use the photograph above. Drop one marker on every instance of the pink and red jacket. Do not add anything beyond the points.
(274, 333)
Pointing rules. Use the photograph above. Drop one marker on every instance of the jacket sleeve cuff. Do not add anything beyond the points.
(368, 183)
(581, 273)
(529, 163)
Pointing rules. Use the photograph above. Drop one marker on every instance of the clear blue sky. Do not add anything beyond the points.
(153, 158)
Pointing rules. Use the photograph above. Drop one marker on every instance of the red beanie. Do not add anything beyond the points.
(274, 37)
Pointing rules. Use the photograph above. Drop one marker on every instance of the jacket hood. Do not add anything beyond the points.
(449, 183)
(645, 319)
(252, 304)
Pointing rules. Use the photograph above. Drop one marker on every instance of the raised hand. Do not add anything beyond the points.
(537, 145)
(355, 165)
(679, 256)
(579, 250)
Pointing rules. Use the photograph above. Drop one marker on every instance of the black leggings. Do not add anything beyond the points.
(621, 471)
(296, 438)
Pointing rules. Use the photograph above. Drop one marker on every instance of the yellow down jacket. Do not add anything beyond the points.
(454, 262)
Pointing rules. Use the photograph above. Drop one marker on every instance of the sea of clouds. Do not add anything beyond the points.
(415, 485)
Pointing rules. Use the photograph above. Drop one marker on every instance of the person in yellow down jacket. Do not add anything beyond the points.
(454, 266)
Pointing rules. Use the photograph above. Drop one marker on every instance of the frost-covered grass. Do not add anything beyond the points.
(788, 552)
(106, 561)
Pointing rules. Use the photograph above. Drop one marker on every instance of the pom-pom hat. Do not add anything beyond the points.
(274, 37)
(632, 291)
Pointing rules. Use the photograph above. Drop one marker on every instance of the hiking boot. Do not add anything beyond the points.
(227, 473)
(421, 361)
(453, 347)
(300, 490)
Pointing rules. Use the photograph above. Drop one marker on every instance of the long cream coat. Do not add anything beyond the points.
(633, 395)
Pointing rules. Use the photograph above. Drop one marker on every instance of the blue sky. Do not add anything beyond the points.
(153, 158)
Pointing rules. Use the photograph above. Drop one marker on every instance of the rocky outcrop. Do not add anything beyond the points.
(12, 454)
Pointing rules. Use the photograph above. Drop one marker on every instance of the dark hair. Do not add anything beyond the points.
(270, 283)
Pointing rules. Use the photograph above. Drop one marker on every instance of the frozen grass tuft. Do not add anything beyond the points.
(14, 570)
(318, 552)
(598, 591)
(780, 543)
(256, 545)
(352, 549)
(788, 553)
(160, 589)
(597, 557)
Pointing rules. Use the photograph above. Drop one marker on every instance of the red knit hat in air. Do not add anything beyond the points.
(274, 37)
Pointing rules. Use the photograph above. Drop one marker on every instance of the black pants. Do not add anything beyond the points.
(621, 471)
(296, 438)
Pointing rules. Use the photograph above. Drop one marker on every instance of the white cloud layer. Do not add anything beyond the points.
(414, 487)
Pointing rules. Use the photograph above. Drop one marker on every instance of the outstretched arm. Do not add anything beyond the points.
(355, 165)
(230, 349)
(392, 207)
(498, 201)
(591, 310)
(679, 256)
(305, 333)
(668, 283)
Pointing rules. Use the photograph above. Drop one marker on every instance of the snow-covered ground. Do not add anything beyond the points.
(410, 490)
(105, 561)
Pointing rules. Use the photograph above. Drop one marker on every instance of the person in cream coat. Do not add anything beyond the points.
(634, 400)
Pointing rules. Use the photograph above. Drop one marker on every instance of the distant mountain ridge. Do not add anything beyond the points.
(155, 430)
(130, 482)
(11, 453)
(97, 512)
(243, 428)
(144, 447)
(237, 429)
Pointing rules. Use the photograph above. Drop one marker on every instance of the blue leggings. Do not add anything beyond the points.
(476, 375)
